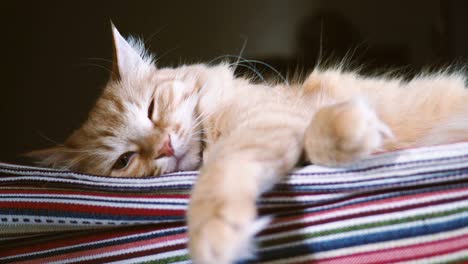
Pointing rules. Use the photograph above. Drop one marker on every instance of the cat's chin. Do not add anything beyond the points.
(185, 162)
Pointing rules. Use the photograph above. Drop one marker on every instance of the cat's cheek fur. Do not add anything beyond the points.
(191, 160)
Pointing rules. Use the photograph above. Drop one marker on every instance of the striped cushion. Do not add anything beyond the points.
(394, 207)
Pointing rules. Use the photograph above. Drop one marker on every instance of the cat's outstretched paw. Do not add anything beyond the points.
(221, 225)
(345, 132)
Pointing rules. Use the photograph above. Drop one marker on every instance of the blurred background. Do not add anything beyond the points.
(55, 54)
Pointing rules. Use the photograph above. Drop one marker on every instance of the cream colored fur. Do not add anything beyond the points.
(253, 134)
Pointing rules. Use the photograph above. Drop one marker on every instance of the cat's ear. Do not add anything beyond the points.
(126, 57)
(60, 157)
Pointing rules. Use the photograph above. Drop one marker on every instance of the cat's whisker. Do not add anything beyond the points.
(98, 66)
(199, 123)
(250, 68)
(270, 67)
(155, 33)
(209, 142)
(220, 57)
(249, 61)
(230, 56)
(47, 138)
(201, 117)
(165, 53)
(241, 51)
(98, 59)
(156, 171)
(196, 133)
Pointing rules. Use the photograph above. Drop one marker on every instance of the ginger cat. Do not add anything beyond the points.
(246, 136)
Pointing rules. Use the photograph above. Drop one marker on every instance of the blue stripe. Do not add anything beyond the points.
(77, 199)
(423, 163)
(369, 198)
(52, 182)
(5, 213)
(386, 164)
(393, 192)
(115, 241)
(327, 187)
(386, 178)
(399, 181)
(357, 240)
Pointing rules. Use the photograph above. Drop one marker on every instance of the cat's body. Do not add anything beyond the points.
(150, 121)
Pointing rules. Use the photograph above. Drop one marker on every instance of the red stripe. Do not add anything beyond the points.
(404, 253)
(290, 226)
(376, 202)
(104, 250)
(99, 194)
(92, 209)
(136, 254)
(81, 237)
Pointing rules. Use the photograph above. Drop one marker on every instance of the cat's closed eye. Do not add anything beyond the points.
(123, 160)
(151, 109)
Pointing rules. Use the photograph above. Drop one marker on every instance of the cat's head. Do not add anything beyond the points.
(146, 121)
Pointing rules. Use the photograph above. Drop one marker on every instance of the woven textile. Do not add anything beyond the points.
(410, 205)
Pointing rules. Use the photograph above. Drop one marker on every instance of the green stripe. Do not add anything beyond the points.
(301, 237)
(167, 260)
(455, 261)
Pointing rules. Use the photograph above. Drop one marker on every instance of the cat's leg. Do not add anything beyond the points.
(344, 132)
(238, 168)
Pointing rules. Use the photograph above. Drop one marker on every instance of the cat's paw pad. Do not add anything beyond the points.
(220, 229)
(345, 132)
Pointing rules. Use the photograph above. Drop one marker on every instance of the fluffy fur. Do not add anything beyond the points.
(249, 135)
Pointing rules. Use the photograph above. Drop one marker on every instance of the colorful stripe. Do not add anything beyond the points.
(397, 207)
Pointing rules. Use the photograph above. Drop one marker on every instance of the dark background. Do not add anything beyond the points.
(55, 53)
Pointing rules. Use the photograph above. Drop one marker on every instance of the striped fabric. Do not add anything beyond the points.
(406, 206)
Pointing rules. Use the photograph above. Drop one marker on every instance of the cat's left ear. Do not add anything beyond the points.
(127, 57)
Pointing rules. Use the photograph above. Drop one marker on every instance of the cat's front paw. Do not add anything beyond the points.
(343, 133)
(221, 224)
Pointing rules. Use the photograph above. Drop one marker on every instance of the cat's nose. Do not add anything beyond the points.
(166, 149)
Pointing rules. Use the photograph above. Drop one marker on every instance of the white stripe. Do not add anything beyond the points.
(446, 258)
(373, 207)
(302, 198)
(367, 219)
(44, 226)
(288, 180)
(404, 156)
(94, 179)
(409, 155)
(147, 185)
(102, 198)
(354, 180)
(263, 201)
(406, 181)
(50, 171)
(131, 250)
(415, 154)
(174, 253)
(367, 231)
(380, 173)
(96, 203)
(96, 242)
(372, 247)
(378, 177)
(391, 164)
